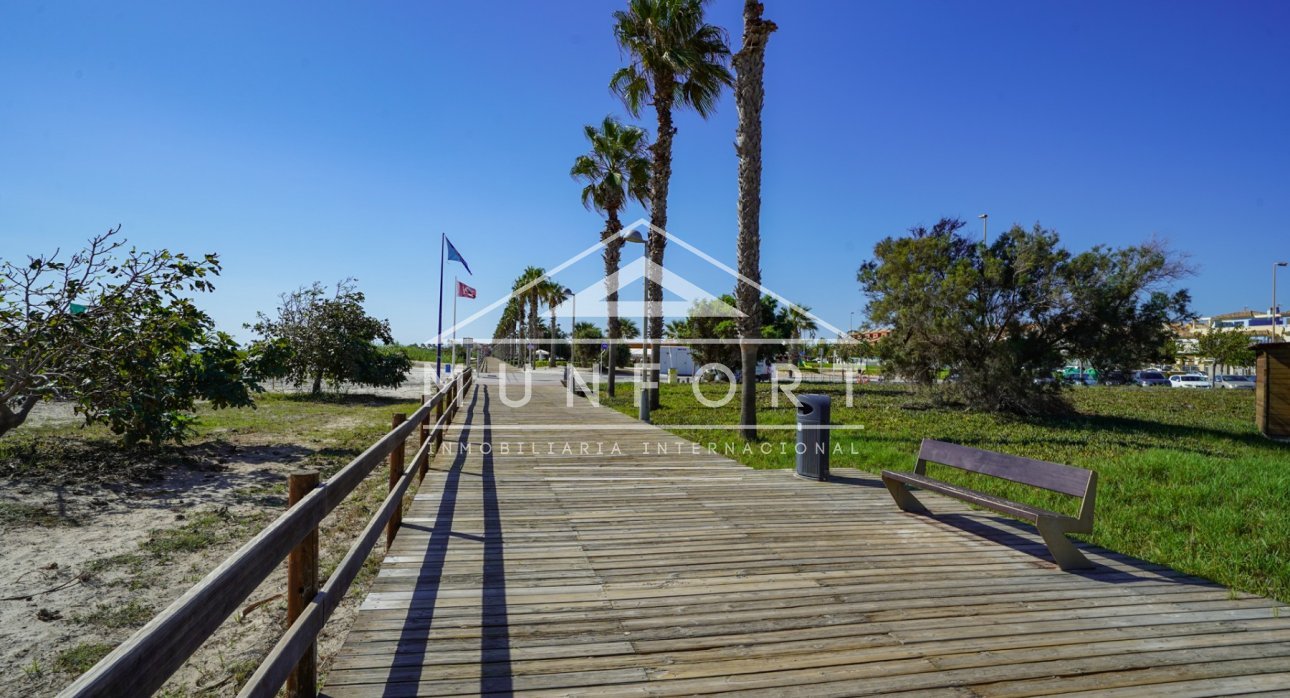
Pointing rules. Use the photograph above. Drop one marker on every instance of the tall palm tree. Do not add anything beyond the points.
(528, 289)
(616, 170)
(676, 59)
(677, 329)
(554, 294)
(750, 65)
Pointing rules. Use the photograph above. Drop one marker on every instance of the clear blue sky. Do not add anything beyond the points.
(313, 142)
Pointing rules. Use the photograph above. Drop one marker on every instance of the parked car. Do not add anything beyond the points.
(1189, 380)
(1148, 379)
(1114, 378)
(1234, 382)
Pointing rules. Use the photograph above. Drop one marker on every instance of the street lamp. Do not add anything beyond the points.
(985, 226)
(643, 412)
(1274, 297)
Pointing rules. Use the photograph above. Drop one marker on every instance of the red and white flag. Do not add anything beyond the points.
(464, 291)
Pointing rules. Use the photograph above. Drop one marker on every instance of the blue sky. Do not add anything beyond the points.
(315, 142)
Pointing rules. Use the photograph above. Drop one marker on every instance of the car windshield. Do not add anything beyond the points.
(1236, 379)
(1191, 379)
(1152, 375)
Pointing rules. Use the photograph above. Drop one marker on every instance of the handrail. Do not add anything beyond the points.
(141, 664)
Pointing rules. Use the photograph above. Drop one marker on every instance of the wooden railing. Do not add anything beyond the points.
(141, 664)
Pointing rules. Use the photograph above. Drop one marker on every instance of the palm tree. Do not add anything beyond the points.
(554, 294)
(676, 59)
(528, 289)
(508, 325)
(677, 329)
(800, 323)
(585, 331)
(628, 328)
(750, 65)
(616, 170)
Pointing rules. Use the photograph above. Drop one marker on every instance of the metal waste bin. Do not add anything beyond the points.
(813, 436)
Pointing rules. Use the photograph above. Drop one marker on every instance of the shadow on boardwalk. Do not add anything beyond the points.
(405, 672)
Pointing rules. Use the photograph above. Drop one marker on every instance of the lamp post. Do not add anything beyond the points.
(985, 228)
(643, 377)
(1274, 313)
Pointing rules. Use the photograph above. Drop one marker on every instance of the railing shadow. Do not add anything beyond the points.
(406, 668)
(495, 635)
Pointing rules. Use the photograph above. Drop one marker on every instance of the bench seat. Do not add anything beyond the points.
(1053, 477)
(989, 501)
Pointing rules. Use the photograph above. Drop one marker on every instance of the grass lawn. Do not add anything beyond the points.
(1185, 480)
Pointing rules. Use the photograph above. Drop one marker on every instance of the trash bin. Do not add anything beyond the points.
(813, 436)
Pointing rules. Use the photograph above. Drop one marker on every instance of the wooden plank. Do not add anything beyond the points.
(644, 574)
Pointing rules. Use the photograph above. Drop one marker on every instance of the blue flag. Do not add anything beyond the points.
(455, 256)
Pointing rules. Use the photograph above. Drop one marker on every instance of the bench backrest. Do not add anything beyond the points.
(1053, 477)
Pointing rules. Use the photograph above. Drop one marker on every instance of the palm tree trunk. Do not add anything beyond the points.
(750, 65)
(551, 359)
(612, 256)
(533, 328)
(659, 180)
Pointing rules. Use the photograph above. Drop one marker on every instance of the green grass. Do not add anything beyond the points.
(132, 614)
(870, 370)
(23, 514)
(79, 659)
(1185, 480)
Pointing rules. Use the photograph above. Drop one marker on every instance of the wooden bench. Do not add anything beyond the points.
(1076, 482)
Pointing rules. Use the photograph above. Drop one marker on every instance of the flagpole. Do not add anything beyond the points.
(438, 339)
(455, 292)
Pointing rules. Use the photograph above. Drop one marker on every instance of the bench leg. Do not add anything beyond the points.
(904, 498)
(1064, 552)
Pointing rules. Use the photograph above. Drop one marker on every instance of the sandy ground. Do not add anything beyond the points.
(53, 578)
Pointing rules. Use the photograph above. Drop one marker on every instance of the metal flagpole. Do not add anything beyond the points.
(438, 339)
(455, 292)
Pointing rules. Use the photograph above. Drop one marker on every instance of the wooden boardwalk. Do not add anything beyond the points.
(676, 573)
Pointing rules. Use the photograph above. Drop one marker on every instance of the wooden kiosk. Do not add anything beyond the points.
(1272, 392)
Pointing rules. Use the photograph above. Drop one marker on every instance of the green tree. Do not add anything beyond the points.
(616, 170)
(712, 325)
(317, 338)
(1226, 348)
(750, 66)
(508, 329)
(586, 347)
(114, 332)
(800, 324)
(553, 294)
(628, 328)
(1001, 317)
(676, 59)
(528, 288)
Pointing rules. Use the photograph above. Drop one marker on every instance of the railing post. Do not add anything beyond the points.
(302, 586)
(438, 416)
(423, 465)
(396, 472)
